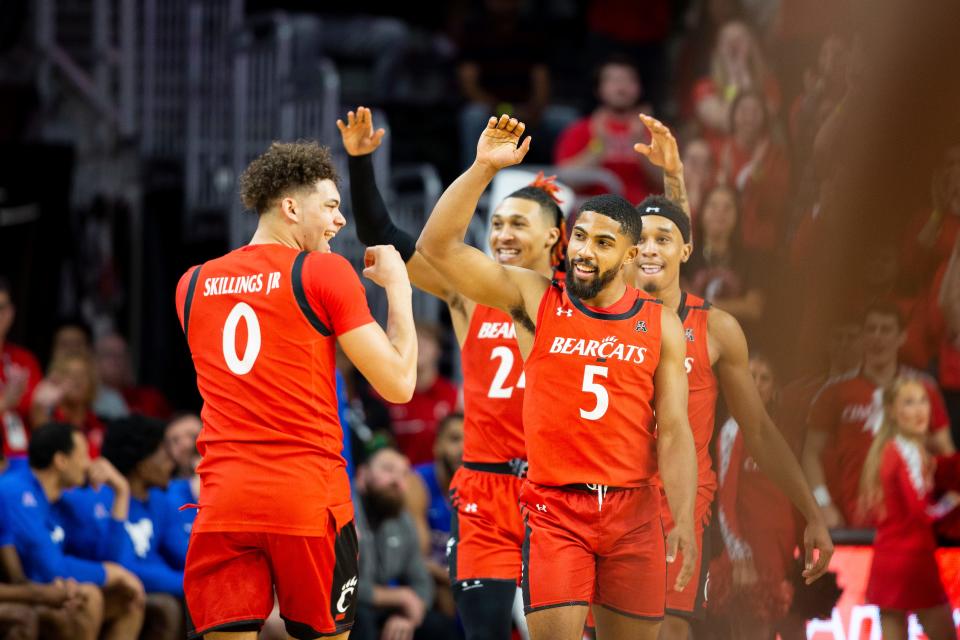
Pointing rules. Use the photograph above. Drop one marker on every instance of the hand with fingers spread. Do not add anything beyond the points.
(663, 150)
(816, 538)
(499, 146)
(359, 136)
(683, 541)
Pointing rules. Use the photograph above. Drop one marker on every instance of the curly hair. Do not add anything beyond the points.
(284, 166)
(131, 440)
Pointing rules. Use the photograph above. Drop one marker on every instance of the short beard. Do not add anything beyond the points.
(650, 287)
(382, 505)
(588, 291)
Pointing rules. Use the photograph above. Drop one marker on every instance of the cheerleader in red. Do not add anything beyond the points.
(898, 479)
(749, 583)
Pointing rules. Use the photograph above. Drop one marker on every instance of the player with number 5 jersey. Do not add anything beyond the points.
(594, 349)
(261, 322)
(526, 230)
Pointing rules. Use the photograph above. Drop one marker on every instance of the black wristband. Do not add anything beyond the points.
(374, 225)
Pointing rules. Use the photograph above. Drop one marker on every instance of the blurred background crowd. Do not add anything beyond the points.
(821, 150)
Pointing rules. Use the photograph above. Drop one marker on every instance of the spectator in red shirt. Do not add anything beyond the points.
(19, 375)
(736, 65)
(116, 373)
(414, 424)
(750, 581)
(752, 161)
(846, 413)
(66, 395)
(721, 270)
(606, 137)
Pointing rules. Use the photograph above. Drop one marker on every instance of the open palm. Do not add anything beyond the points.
(662, 151)
(359, 136)
(498, 144)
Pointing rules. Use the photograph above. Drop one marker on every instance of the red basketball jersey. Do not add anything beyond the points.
(261, 323)
(588, 412)
(493, 383)
(702, 403)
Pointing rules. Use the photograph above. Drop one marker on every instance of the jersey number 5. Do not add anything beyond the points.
(497, 390)
(241, 366)
(603, 399)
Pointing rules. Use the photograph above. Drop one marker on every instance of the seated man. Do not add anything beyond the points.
(31, 502)
(155, 544)
(180, 439)
(395, 590)
(428, 501)
(27, 610)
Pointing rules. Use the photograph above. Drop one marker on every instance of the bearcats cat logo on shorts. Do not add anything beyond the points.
(345, 592)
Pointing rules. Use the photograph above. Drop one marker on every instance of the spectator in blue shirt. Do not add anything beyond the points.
(156, 548)
(30, 500)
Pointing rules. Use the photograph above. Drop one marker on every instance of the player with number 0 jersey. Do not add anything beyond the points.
(261, 323)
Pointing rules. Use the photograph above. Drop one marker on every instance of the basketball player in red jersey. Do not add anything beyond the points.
(716, 360)
(594, 349)
(275, 509)
(487, 531)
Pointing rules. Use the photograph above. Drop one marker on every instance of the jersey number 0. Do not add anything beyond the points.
(236, 364)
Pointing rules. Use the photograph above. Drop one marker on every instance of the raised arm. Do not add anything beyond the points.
(374, 224)
(676, 452)
(763, 440)
(664, 152)
(388, 360)
(471, 272)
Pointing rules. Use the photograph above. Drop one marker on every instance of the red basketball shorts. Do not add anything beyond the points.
(487, 529)
(690, 603)
(580, 550)
(230, 577)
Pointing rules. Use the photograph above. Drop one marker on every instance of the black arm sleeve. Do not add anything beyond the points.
(374, 225)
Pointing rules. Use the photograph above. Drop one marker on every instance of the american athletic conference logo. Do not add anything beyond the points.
(346, 591)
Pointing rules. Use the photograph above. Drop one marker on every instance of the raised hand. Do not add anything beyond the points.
(662, 150)
(384, 266)
(359, 136)
(498, 144)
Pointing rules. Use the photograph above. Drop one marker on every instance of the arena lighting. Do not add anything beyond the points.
(852, 619)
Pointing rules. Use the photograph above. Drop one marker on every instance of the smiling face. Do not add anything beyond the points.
(911, 409)
(661, 251)
(316, 214)
(520, 235)
(597, 253)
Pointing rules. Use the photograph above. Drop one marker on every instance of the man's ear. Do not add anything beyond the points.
(288, 210)
(631, 254)
(687, 252)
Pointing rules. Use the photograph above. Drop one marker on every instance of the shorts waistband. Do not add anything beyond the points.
(516, 467)
(591, 488)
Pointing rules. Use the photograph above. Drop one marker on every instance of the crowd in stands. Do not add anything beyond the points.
(96, 466)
